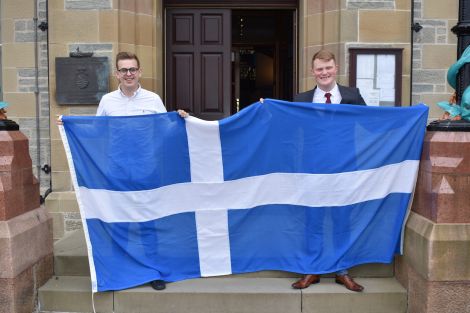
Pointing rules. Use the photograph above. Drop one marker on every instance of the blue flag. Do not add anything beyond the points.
(299, 187)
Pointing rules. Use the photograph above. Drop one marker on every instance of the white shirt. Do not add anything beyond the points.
(319, 95)
(116, 103)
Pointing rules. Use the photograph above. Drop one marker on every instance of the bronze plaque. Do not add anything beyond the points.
(81, 80)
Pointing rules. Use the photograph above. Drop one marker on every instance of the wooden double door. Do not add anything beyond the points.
(221, 60)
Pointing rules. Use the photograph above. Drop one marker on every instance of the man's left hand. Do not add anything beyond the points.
(183, 113)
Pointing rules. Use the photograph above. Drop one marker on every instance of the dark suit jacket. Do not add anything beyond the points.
(349, 95)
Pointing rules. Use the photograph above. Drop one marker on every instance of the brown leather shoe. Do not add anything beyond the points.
(306, 281)
(348, 282)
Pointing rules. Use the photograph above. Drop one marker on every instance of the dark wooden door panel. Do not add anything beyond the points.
(183, 64)
(211, 29)
(198, 65)
(212, 83)
(183, 29)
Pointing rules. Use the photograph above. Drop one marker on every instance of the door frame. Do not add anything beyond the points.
(239, 5)
(279, 4)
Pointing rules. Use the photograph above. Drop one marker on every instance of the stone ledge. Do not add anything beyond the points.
(62, 201)
(433, 250)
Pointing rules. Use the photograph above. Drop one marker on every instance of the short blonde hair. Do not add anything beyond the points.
(324, 55)
(126, 56)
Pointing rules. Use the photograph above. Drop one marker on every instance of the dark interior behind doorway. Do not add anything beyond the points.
(262, 56)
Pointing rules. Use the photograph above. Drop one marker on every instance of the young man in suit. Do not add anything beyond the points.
(324, 70)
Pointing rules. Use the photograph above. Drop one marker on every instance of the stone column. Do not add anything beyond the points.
(26, 260)
(435, 267)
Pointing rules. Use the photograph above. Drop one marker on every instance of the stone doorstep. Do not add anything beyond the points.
(226, 295)
(70, 259)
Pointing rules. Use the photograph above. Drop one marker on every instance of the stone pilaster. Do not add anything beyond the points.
(435, 265)
(25, 228)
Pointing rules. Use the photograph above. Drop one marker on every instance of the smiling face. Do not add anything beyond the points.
(129, 81)
(324, 73)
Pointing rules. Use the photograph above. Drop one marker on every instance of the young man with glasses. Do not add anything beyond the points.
(130, 98)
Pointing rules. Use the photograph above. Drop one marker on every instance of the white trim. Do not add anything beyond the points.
(94, 287)
(408, 209)
(312, 190)
(205, 151)
(205, 155)
(213, 243)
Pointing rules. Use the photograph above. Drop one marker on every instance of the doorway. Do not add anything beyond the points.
(221, 60)
(262, 56)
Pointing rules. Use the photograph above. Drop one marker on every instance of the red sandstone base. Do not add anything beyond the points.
(443, 188)
(442, 196)
(437, 297)
(26, 260)
(18, 295)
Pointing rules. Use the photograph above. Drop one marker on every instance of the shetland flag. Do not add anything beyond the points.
(299, 187)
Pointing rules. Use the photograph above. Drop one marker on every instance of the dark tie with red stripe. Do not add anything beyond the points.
(328, 97)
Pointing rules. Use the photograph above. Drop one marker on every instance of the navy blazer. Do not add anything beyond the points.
(349, 95)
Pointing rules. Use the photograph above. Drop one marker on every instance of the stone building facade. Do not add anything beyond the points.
(34, 33)
(434, 50)
(108, 26)
(25, 82)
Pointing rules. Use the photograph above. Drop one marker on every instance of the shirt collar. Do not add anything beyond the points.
(135, 93)
(319, 95)
(333, 90)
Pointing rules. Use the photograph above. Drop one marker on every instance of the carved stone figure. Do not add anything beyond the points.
(3, 111)
(453, 110)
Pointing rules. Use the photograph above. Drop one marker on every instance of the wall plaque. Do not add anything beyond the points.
(81, 80)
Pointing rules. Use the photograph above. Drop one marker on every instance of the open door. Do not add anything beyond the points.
(263, 56)
(198, 64)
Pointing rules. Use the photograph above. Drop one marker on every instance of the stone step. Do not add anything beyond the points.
(70, 259)
(226, 295)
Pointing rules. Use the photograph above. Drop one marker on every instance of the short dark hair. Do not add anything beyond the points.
(126, 56)
(324, 55)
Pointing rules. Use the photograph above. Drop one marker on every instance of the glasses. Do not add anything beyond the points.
(131, 70)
